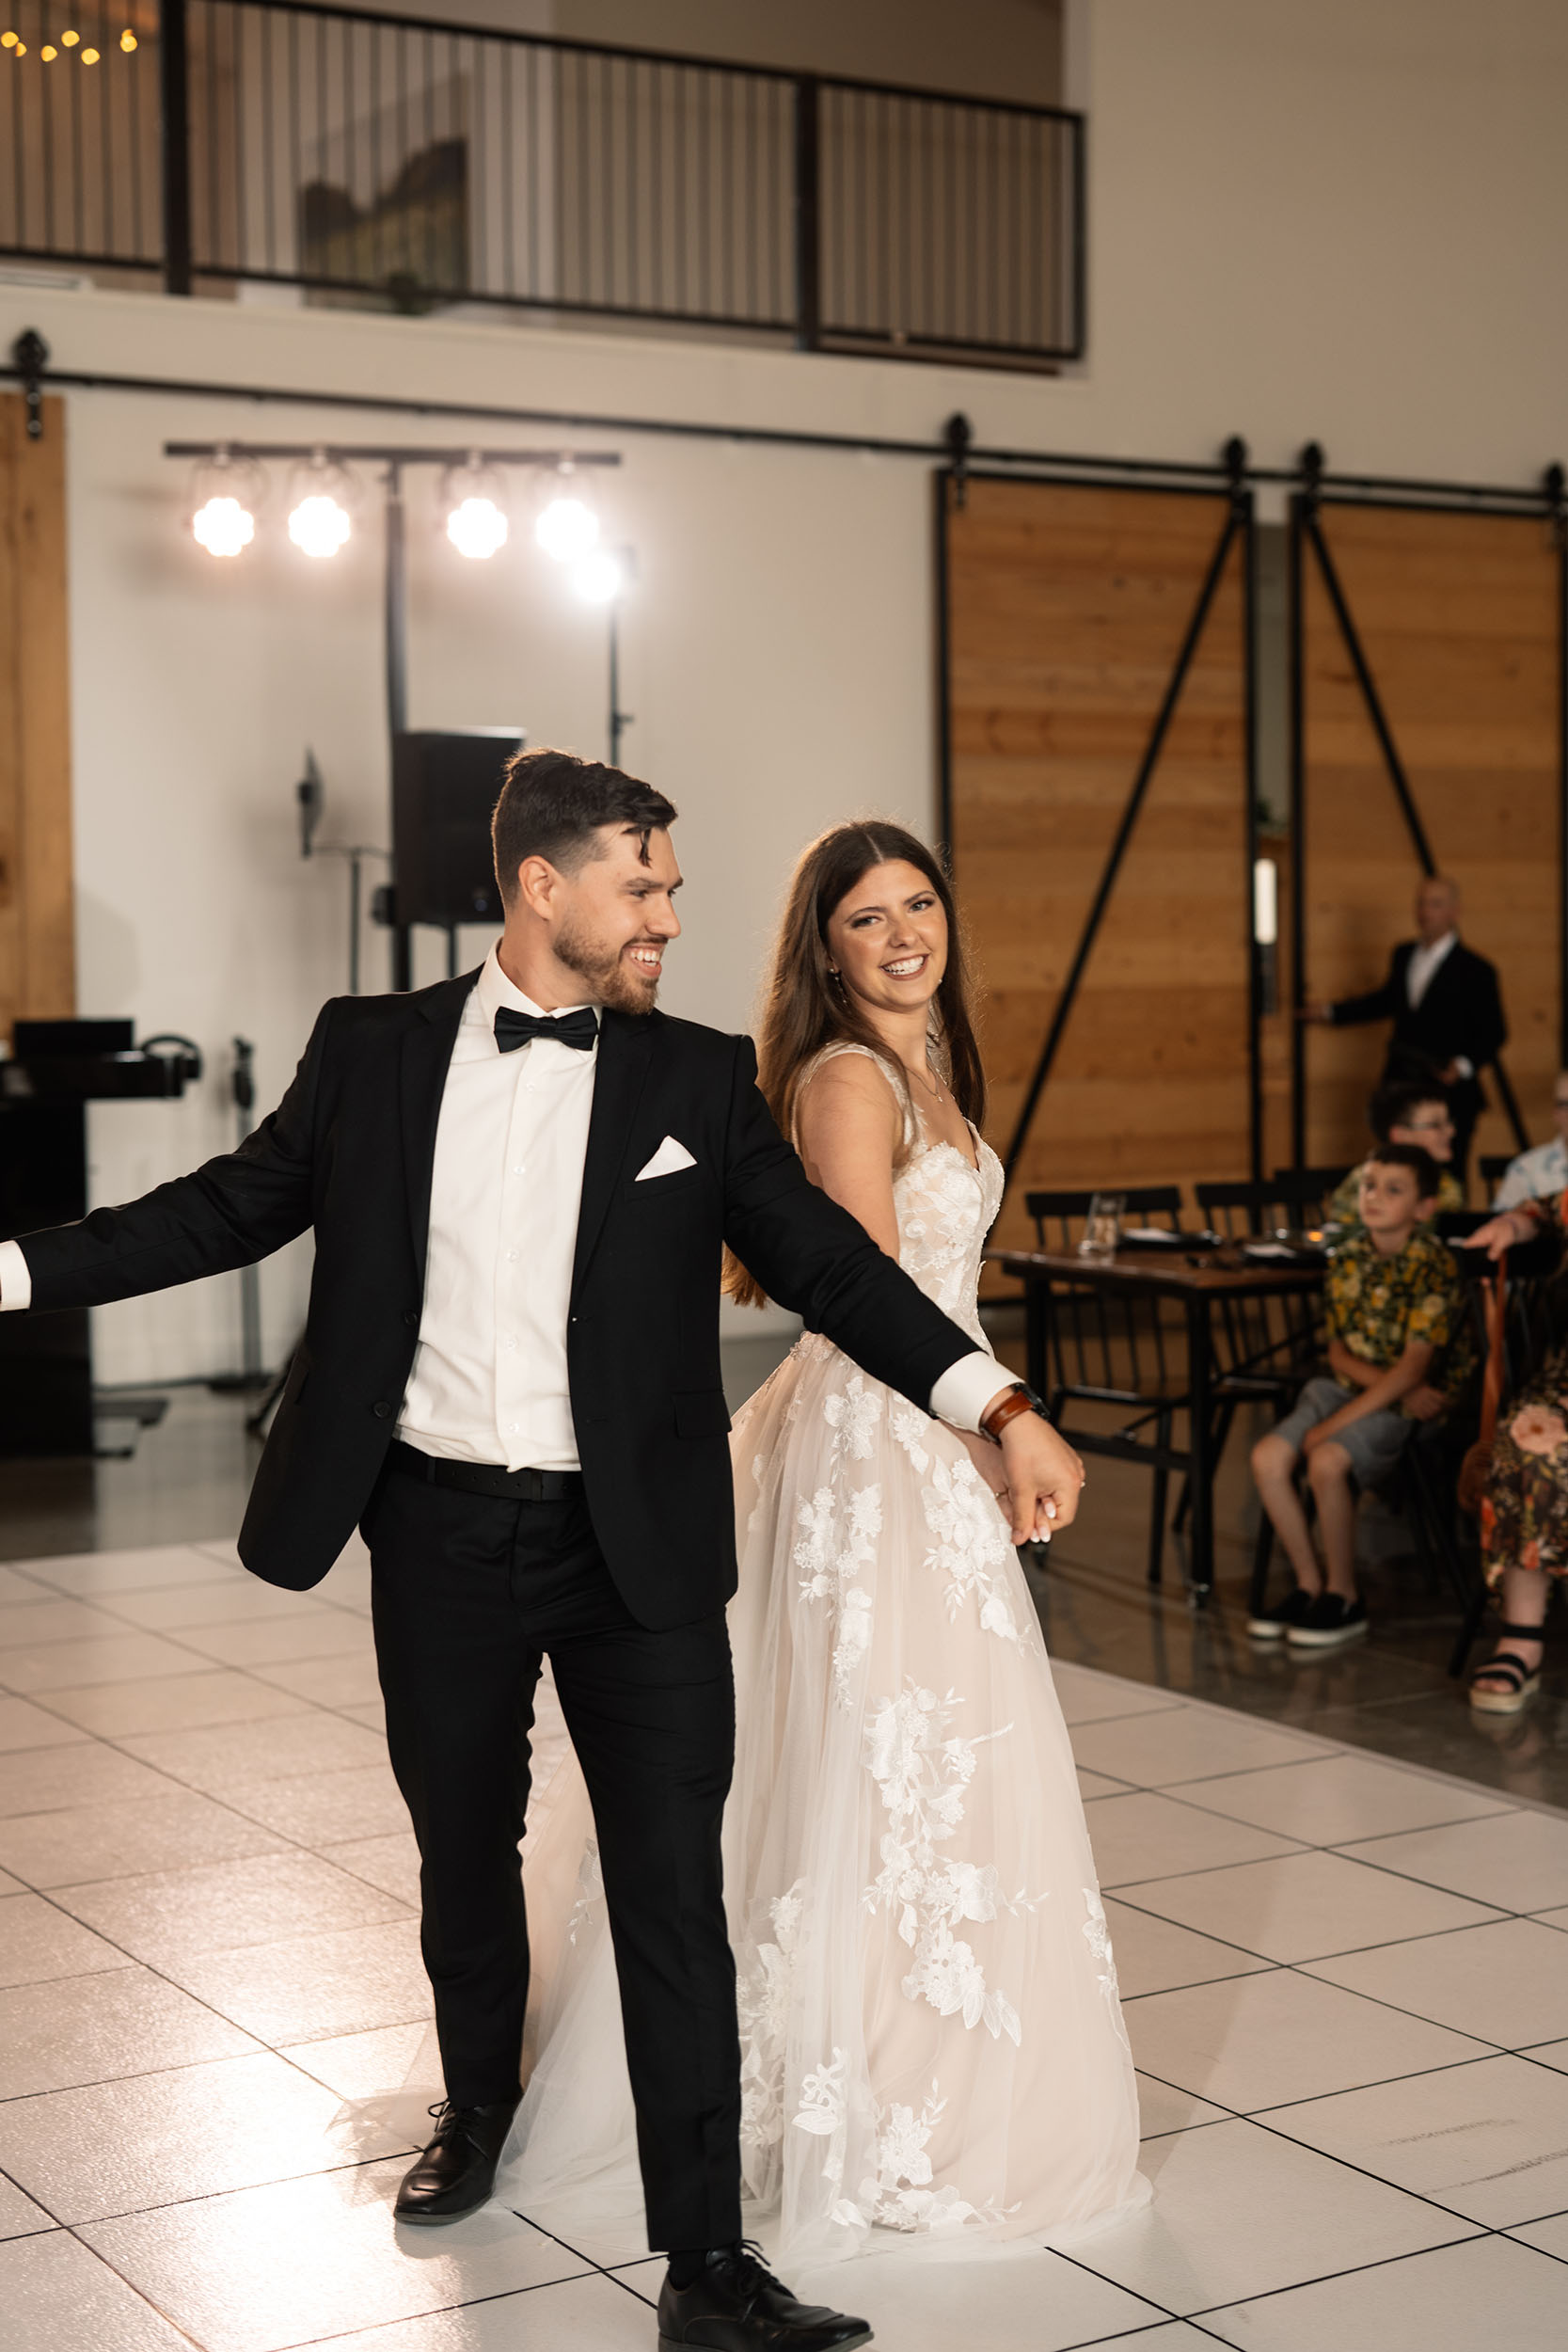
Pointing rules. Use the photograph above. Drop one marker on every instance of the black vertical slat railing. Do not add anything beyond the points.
(368, 158)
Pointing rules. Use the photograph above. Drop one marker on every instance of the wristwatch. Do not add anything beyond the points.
(1021, 1398)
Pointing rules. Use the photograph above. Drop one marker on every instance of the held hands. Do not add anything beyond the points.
(1044, 1479)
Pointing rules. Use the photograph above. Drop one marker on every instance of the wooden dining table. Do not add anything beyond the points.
(1199, 1279)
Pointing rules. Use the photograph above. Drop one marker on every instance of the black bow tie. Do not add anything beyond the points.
(577, 1028)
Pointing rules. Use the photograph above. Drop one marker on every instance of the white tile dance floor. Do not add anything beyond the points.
(1346, 1984)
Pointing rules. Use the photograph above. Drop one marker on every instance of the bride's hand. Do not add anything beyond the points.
(986, 1455)
(1044, 1479)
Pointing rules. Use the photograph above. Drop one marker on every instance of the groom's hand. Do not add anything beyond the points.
(1045, 1477)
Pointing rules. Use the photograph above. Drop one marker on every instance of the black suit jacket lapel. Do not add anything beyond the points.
(423, 1075)
(626, 1049)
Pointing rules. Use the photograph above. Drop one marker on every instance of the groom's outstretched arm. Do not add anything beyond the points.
(234, 1210)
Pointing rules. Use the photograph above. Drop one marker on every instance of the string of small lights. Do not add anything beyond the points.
(70, 43)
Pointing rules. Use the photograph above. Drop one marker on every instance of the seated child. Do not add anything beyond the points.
(1398, 1352)
(1406, 1112)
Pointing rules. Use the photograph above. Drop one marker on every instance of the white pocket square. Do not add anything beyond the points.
(670, 1156)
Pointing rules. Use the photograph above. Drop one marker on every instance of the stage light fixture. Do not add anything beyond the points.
(225, 497)
(127, 40)
(599, 577)
(90, 56)
(319, 519)
(568, 527)
(223, 526)
(476, 519)
(8, 41)
(69, 41)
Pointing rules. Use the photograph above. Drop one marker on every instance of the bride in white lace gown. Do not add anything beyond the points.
(931, 2039)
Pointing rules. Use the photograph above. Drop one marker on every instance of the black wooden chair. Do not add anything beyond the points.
(1494, 1167)
(1105, 1349)
(1264, 1348)
(1305, 1193)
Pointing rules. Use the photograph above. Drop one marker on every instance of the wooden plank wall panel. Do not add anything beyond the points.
(37, 957)
(1457, 615)
(1067, 606)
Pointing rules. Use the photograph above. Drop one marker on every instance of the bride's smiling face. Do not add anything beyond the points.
(888, 939)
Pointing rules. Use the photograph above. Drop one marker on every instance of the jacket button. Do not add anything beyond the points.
(411, 1319)
(381, 1409)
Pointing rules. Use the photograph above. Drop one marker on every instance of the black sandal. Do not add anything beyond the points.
(1521, 1682)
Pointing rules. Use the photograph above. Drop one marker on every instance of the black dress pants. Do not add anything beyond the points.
(470, 1594)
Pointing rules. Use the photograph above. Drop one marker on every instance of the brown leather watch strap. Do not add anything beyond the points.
(1015, 1402)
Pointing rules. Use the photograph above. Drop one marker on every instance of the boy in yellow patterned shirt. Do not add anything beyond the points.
(1398, 1352)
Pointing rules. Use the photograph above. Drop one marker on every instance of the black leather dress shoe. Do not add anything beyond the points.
(457, 2171)
(736, 2305)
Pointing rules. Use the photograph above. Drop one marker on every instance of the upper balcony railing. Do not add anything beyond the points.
(375, 161)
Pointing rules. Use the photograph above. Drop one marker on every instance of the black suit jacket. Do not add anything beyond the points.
(349, 1150)
(1461, 1013)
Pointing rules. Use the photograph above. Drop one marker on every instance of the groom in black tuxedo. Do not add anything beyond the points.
(519, 1184)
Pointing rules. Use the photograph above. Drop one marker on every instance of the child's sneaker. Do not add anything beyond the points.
(1272, 1625)
(1330, 1621)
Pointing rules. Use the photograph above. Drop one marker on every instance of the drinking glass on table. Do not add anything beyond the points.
(1102, 1227)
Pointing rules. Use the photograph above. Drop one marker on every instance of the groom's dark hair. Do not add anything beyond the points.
(552, 803)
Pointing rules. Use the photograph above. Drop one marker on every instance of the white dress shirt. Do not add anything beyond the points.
(489, 1378)
(1534, 1175)
(1423, 963)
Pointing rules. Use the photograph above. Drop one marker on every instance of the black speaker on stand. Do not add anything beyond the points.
(444, 787)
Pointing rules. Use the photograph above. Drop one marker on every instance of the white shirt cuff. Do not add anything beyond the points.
(16, 1283)
(1465, 1068)
(966, 1388)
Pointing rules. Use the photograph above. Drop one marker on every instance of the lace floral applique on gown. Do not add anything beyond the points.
(931, 2039)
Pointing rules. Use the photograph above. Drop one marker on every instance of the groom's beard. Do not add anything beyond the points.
(610, 978)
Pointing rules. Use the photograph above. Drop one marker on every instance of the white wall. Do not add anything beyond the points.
(1339, 223)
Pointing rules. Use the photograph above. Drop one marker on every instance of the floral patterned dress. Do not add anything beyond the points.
(931, 2036)
(932, 2045)
(1524, 1511)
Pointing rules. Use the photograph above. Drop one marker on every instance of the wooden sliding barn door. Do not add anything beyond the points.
(37, 940)
(1096, 814)
(1430, 676)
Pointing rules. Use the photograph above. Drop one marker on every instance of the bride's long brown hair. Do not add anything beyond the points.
(805, 1007)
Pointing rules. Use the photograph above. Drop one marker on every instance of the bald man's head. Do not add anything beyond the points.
(1436, 907)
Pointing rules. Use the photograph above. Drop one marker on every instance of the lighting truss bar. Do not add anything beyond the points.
(390, 453)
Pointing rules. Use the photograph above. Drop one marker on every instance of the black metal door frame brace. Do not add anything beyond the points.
(1307, 530)
(1236, 525)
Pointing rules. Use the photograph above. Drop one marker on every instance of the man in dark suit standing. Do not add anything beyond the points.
(1446, 1007)
(520, 1183)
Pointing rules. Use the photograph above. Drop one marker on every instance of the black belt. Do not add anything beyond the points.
(485, 1478)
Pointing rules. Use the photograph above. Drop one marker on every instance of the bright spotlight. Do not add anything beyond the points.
(318, 522)
(568, 528)
(223, 526)
(319, 526)
(476, 510)
(599, 578)
(477, 528)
